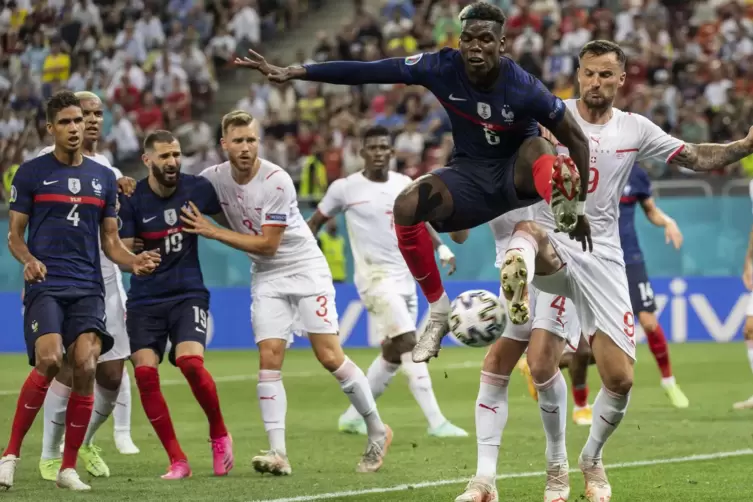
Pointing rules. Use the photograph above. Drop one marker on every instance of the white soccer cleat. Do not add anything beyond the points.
(557, 483)
(744, 405)
(431, 339)
(272, 462)
(373, 458)
(447, 430)
(125, 445)
(514, 279)
(68, 479)
(565, 191)
(8, 470)
(479, 489)
(597, 485)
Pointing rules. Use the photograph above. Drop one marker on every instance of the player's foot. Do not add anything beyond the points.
(178, 470)
(272, 462)
(354, 426)
(373, 457)
(68, 479)
(8, 470)
(514, 279)
(526, 371)
(744, 405)
(429, 343)
(447, 430)
(93, 461)
(582, 416)
(597, 485)
(557, 483)
(479, 489)
(222, 455)
(125, 444)
(49, 468)
(675, 395)
(565, 191)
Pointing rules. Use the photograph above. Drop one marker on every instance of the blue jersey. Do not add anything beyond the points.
(637, 189)
(66, 205)
(487, 125)
(156, 220)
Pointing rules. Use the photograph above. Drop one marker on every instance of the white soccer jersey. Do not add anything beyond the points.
(615, 147)
(367, 206)
(268, 199)
(109, 269)
(504, 225)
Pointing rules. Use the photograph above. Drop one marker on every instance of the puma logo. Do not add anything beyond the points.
(493, 409)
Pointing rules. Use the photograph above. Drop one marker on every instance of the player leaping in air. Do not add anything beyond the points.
(69, 202)
(384, 282)
(499, 162)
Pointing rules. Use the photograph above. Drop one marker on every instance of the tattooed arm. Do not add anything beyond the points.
(710, 156)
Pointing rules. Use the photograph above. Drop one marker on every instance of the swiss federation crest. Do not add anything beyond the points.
(484, 110)
(171, 217)
(74, 185)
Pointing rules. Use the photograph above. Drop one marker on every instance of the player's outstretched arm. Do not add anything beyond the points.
(446, 256)
(660, 219)
(710, 156)
(142, 264)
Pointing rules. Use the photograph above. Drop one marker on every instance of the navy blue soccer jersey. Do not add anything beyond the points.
(637, 190)
(487, 125)
(66, 205)
(156, 220)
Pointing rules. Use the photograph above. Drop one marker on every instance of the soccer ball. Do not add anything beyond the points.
(477, 319)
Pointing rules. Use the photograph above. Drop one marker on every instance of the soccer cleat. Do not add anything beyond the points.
(565, 191)
(597, 485)
(447, 430)
(583, 416)
(676, 396)
(431, 339)
(68, 479)
(514, 278)
(373, 457)
(124, 444)
(355, 426)
(479, 489)
(744, 405)
(222, 455)
(93, 461)
(526, 371)
(178, 470)
(7, 470)
(49, 468)
(557, 483)
(272, 462)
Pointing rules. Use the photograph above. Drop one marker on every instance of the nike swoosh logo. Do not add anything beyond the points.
(147, 220)
(453, 98)
(76, 426)
(31, 408)
(200, 330)
(45, 183)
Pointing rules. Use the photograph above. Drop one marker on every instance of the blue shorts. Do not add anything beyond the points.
(151, 326)
(69, 312)
(481, 191)
(641, 294)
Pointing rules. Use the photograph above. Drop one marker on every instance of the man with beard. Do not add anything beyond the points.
(174, 303)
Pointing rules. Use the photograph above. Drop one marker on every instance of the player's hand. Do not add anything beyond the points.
(582, 233)
(277, 74)
(447, 258)
(196, 223)
(146, 262)
(126, 185)
(672, 234)
(138, 245)
(748, 275)
(35, 271)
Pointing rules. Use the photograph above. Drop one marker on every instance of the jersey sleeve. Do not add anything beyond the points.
(654, 143)
(333, 201)
(538, 103)
(111, 197)
(640, 183)
(209, 202)
(126, 218)
(279, 195)
(412, 70)
(22, 189)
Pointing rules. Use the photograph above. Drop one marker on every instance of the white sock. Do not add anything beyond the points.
(608, 411)
(379, 374)
(442, 305)
(553, 408)
(491, 418)
(55, 404)
(355, 385)
(273, 403)
(121, 415)
(104, 403)
(419, 383)
(749, 343)
(527, 245)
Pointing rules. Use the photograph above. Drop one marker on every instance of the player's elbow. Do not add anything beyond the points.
(269, 248)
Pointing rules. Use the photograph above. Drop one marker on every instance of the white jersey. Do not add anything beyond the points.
(109, 269)
(615, 146)
(504, 225)
(268, 199)
(367, 206)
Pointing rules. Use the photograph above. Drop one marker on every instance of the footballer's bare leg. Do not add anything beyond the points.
(55, 404)
(748, 335)
(355, 385)
(657, 343)
(577, 364)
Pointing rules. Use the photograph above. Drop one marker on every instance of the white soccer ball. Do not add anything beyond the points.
(477, 319)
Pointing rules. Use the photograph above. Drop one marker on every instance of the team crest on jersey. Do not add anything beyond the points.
(508, 114)
(626, 191)
(97, 186)
(171, 216)
(74, 185)
(412, 60)
(13, 194)
(484, 110)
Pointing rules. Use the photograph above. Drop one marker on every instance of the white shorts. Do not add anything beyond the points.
(553, 313)
(280, 306)
(115, 301)
(393, 305)
(599, 290)
(749, 312)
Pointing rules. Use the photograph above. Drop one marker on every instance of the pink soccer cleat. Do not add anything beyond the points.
(222, 455)
(178, 470)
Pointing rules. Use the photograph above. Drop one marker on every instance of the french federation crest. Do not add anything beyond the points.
(508, 114)
(484, 110)
(171, 217)
(74, 185)
(97, 186)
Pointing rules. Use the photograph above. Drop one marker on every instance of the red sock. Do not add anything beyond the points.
(30, 400)
(155, 407)
(205, 391)
(658, 345)
(580, 395)
(77, 417)
(418, 251)
(542, 175)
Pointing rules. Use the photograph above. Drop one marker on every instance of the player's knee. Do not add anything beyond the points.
(531, 228)
(394, 348)
(109, 375)
(542, 369)
(49, 363)
(619, 382)
(748, 328)
(271, 354)
(497, 361)
(405, 207)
